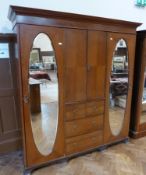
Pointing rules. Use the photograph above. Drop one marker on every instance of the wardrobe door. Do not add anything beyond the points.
(10, 128)
(140, 109)
(75, 65)
(75, 91)
(41, 64)
(118, 86)
(96, 72)
(96, 65)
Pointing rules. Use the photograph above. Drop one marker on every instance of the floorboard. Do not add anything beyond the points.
(121, 159)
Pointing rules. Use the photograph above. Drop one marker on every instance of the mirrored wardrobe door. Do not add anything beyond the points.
(43, 93)
(118, 86)
(41, 62)
(143, 100)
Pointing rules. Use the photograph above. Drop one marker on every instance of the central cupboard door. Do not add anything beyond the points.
(75, 65)
(96, 65)
(85, 62)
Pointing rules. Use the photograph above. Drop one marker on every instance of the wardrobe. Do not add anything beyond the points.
(138, 109)
(79, 71)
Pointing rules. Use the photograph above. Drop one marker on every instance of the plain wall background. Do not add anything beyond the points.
(116, 9)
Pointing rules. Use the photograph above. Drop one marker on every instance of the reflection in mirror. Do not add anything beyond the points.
(43, 87)
(118, 87)
(4, 50)
(143, 106)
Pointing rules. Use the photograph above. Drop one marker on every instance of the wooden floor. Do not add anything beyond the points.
(11, 164)
(122, 159)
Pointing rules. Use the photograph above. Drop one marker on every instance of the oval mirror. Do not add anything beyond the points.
(43, 90)
(118, 87)
(143, 101)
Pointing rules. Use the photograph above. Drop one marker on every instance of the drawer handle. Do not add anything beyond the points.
(95, 108)
(94, 139)
(26, 99)
(75, 111)
(93, 123)
(74, 126)
(75, 144)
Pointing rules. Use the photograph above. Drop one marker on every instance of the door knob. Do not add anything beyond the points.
(129, 87)
(88, 67)
(26, 99)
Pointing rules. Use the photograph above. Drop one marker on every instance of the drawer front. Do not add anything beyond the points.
(75, 112)
(94, 108)
(83, 126)
(84, 142)
(78, 111)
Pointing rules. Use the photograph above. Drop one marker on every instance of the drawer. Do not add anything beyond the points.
(94, 108)
(83, 126)
(84, 142)
(75, 111)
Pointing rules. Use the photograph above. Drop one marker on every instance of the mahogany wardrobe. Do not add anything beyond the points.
(138, 109)
(75, 75)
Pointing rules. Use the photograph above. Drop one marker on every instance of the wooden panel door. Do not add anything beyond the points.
(96, 65)
(27, 35)
(112, 40)
(75, 65)
(137, 122)
(10, 133)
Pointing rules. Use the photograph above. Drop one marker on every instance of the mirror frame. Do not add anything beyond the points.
(112, 39)
(32, 157)
(117, 131)
(143, 83)
(39, 109)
